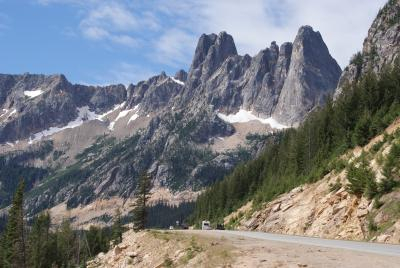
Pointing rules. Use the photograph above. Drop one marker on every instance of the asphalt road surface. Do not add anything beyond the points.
(377, 248)
(258, 249)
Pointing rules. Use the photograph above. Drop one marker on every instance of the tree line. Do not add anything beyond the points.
(306, 154)
(43, 244)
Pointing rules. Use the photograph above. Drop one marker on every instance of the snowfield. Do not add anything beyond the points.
(33, 93)
(84, 114)
(123, 114)
(244, 116)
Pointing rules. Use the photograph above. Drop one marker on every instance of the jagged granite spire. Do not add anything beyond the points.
(313, 75)
(211, 51)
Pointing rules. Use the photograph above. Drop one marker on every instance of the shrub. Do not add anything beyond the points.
(377, 203)
(372, 226)
(362, 180)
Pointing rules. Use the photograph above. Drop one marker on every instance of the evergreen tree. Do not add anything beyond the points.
(40, 247)
(65, 244)
(14, 251)
(117, 228)
(96, 240)
(2, 247)
(142, 194)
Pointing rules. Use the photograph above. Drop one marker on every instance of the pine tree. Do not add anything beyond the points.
(40, 247)
(65, 244)
(117, 228)
(142, 194)
(2, 247)
(14, 240)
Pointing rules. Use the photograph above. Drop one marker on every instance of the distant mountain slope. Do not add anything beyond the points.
(179, 129)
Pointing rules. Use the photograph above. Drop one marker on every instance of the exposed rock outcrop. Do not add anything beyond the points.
(381, 46)
(327, 209)
(285, 83)
(312, 77)
(38, 102)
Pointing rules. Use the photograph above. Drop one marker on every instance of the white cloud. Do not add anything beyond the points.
(110, 15)
(95, 33)
(254, 24)
(109, 21)
(174, 47)
(168, 30)
(125, 40)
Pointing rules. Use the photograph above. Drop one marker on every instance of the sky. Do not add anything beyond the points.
(125, 41)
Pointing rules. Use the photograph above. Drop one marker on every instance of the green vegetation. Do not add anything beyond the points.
(191, 251)
(164, 215)
(391, 20)
(358, 61)
(168, 263)
(103, 151)
(42, 246)
(140, 210)
(14, 241)
(14, 167)
(303, 155)
(362, 179)
(117, 228)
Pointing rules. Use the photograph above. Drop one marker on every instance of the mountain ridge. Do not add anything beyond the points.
(171, 127)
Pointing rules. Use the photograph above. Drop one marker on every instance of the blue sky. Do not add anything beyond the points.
(121, 41)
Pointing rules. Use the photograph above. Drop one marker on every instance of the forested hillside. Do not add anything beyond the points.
(297, 156)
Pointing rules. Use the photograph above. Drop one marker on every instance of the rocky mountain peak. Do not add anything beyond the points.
(274, 48)
(181, 75)
(211, 51)
(312, 76)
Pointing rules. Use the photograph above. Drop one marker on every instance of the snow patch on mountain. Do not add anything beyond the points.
(84, 114)
(33, 93)
(123, 114)
(5, 111)
(116, 107)
(177, 81)
(244, 116)
(13, 112)
(135, 115)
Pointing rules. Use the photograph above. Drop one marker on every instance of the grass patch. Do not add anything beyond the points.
(162, 235)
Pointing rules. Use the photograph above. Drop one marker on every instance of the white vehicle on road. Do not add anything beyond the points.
(205, 225)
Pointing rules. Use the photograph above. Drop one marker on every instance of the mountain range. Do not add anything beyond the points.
(79, 144)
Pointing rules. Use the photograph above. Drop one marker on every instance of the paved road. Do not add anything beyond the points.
(377, 248)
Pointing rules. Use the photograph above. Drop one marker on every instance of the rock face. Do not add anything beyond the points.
(381, 47)
(313, 75)
(285, 83)
(155, 94)
(54, 102)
